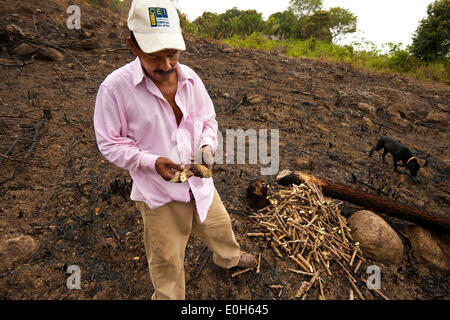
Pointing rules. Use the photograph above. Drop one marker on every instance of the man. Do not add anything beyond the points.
(152, 116)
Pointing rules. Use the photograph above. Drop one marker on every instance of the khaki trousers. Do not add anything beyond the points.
(166, 233)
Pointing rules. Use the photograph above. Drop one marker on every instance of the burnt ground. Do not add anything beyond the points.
(76, 205)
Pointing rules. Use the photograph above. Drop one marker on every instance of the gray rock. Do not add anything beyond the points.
(14, 29)
(376, 237)
(49, 54)
(402, 122)
(305, 164)
(369, 124)
(23, 49)
(85, 44)
(16, 248)
(366, 108)
(430, 248)
(397, 110)
(438, 117)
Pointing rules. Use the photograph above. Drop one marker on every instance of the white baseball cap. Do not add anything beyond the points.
(155, 25)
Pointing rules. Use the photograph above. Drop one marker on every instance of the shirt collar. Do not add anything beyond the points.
(139, 75)
(183, 75)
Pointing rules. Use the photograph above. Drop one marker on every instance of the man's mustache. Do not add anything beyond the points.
(162, 72)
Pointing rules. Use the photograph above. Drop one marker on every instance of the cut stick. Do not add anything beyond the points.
(353, 257)
(322, 295)
(307, 285)
(258, 268)
(302, 289)
(277, 252)
(258, 234)
(357, 266)
(241, 272)
(302, 272)
(341, 225)
(325, 265)
(299, 264)
(311, 222)
(275, 286)
(376, 290)
(355, 288)
(303, 261)
(380, 294)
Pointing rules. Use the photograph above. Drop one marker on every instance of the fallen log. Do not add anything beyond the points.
(367, 200)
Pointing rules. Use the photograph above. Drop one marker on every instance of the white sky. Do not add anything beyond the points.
(379, 21)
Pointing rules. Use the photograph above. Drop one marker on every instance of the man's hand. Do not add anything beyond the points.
(166, 168)
(205, 157)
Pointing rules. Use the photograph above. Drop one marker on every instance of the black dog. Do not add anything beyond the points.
(398, 152)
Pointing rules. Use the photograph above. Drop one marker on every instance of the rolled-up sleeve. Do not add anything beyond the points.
(110, 127)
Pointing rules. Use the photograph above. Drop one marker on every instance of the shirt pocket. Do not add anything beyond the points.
(195, 127)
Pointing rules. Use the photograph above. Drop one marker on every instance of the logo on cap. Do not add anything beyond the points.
(158, 17)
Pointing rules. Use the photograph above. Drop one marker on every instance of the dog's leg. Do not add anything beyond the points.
(395, 164)
(384, 155)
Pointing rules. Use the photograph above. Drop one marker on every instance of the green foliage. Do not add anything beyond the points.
(311, 23)
(327, 25)
(186, 25)
(315, 26)
(302, 8)
(256, 40)
(282, 24)
(229, 23)
(250, 21)
(401, 60)
(342, 21)
(431, 41)
(207, 23)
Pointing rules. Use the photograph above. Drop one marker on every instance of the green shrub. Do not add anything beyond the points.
(403, 61)
(431, 42)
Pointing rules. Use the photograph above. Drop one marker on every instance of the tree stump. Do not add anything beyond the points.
(257, 194)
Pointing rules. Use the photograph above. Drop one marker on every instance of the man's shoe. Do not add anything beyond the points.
(246, 261)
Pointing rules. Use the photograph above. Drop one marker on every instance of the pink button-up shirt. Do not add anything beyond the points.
(134, 125)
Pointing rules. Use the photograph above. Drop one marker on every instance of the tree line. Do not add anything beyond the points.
(304, 19)
(307, 19)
